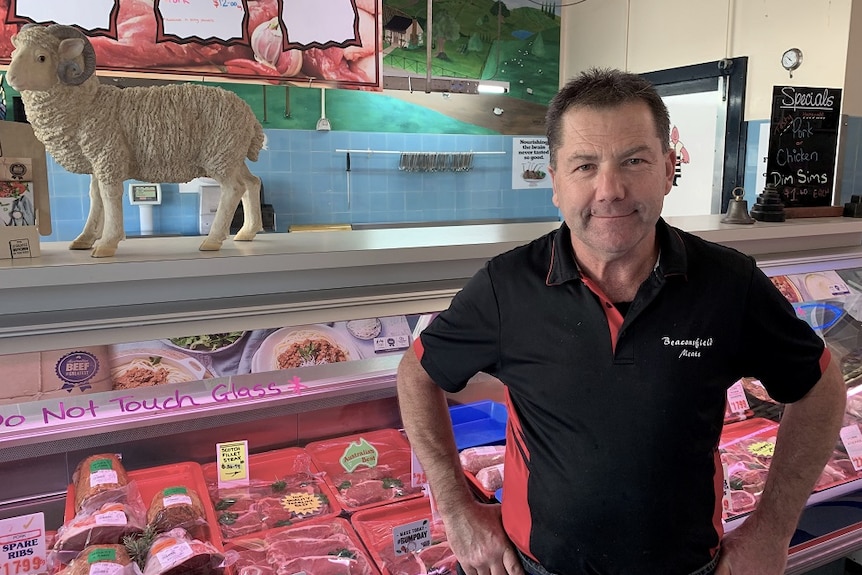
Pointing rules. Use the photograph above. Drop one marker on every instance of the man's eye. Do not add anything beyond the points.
(584, 168)
(634, 161)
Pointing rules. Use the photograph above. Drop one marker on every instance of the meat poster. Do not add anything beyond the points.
(336, 43)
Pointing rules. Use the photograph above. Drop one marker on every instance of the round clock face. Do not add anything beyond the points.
(791, 59)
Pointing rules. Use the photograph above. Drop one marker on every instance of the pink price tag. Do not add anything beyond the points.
(851, 437)
(417, 474)
(736, 398)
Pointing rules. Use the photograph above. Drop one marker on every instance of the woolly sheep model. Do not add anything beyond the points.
(155, 134)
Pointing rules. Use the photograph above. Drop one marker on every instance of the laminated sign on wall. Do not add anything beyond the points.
(23, 191)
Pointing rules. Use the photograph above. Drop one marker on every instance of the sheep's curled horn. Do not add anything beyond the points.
(69, 71)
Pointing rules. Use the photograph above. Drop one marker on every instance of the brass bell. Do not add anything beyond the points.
(737, 209)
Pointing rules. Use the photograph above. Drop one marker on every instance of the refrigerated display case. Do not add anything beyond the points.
(160, 288)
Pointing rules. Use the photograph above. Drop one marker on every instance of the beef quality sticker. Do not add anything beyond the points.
(76, 369)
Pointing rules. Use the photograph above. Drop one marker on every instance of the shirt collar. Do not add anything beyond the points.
(563, 267)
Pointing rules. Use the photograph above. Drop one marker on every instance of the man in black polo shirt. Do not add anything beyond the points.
(617, 337)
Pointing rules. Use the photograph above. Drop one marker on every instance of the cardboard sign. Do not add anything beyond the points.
(22, 159)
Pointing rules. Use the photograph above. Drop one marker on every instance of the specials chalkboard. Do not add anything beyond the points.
(803, 141)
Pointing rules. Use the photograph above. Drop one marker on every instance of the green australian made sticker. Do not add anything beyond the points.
(100, 465)
(359, 453)
(99, 555)
(168, 491)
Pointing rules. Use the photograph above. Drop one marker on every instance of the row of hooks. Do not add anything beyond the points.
(436, 162)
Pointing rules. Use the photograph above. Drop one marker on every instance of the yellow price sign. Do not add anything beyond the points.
(232, 461)
(301, 503)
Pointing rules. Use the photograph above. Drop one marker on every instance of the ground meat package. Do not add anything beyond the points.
(491, 477)
(102, 560)
(95, 474)
(104, 519)
(320, 547)
(366, 469)
(177, 553)
(475, 458)
(176, 506)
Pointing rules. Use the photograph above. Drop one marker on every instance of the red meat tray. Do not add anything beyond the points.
(375, 528)
(748, 455)
(366, 470)
(285, 488)
(153, 480)
(329, 546)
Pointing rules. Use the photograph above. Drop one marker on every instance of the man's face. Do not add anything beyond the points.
(611, 177)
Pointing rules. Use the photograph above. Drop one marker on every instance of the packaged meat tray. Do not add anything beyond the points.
(404, 539)
(483, 466)
(316, 547)
(746, 450)
(175, 477)
(365, 470)
(748, 456)
(284, 488)
(479, 423)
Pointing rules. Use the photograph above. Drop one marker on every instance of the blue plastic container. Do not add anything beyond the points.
(498, 495)
(479, 423)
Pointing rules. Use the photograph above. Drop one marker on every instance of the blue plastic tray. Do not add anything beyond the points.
(479, 423)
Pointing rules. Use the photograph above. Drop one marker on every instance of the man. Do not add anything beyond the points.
(616, 337)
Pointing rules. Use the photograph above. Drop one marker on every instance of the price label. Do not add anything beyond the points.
(232, 459)
(736, 398)
(301, 503)
(22, 545)
(411, 537)
(417, 473)
(726, 500)
(851, 437)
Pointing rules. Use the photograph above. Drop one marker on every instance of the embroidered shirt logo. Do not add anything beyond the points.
(688, 347)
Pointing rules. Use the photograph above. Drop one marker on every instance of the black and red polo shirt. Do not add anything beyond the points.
(612, 464)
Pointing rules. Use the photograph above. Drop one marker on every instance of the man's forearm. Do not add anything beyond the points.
(425, 415)
(806, 438)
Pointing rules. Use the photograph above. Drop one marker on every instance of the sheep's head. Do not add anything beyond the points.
(47, 56)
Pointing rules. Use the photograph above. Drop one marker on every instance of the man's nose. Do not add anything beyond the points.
(609, 185)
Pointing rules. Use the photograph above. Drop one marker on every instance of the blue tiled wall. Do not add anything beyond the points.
(851, 168)
(306, 182)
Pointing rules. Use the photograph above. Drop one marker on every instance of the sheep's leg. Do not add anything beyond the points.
(231, 191)
(252, 220)
(112, 199)
(95, 220)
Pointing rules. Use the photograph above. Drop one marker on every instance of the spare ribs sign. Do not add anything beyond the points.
(336, 43)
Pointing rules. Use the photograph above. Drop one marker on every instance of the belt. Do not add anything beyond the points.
(534, 568)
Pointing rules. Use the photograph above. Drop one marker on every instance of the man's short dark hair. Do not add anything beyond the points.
(604, 88)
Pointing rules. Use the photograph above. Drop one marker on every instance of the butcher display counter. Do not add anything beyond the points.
(164, 290)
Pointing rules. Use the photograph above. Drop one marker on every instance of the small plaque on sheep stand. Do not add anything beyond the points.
(24, 211)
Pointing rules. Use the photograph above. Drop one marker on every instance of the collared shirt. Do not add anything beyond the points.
(612, 464)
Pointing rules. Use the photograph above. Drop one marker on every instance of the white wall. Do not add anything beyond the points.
(649, 35)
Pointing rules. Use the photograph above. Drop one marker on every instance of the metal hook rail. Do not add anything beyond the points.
(428, 161)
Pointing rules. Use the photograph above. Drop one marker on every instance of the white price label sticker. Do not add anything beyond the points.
(103, 477)
(111, 518)
(851, 437)
(736, 398)
(411, 537)
(174, 555)
(22, 545)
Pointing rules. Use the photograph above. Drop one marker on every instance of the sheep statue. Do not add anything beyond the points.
(171, 133)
